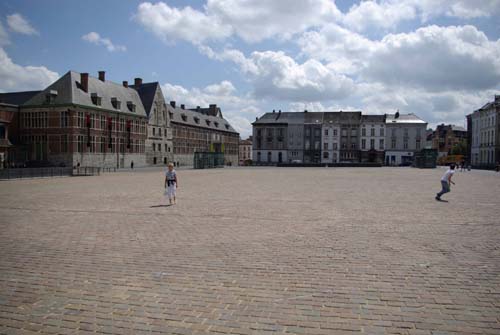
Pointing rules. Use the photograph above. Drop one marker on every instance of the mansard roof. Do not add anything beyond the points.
(68, 90)
(192, 118)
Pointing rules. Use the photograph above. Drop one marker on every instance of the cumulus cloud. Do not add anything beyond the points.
(252, 20)
(96, 39)
(277, 75)
(17, 23)
(18, 77)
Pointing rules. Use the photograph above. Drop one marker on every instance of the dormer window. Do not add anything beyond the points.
(131, 106)
(216, 124)
(208, 122)
(184, 117)
(50, 96)
(170, 115)
(96, 100)
(197, 120)
(227, 126)
(116, 103)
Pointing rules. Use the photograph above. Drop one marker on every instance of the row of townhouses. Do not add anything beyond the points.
(483, 127)
(337, 137)
(91, 121)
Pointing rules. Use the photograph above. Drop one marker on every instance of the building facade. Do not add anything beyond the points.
(158, 146)
(446, 137)
(337, 137)
(484, 133)
(201, 130)
(372, 139)
(405, 135)
(245, 151)
(83, 120)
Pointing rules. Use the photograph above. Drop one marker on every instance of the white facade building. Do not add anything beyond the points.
(485, 124)
(405, 135)
(330, 143)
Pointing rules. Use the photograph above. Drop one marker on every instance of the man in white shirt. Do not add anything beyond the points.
(446, 182)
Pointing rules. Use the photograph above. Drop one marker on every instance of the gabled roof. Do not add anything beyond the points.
(194, 119)
(69, 91)
(147, 92)
(17, 98)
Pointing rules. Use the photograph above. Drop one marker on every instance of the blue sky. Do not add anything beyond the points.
(439, 59)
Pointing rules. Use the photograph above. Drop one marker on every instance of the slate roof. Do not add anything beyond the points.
(69, 91)
(17, 98)
(194, 119)
(275, 118)
(373, 118)
(403, 118)
(147, 93)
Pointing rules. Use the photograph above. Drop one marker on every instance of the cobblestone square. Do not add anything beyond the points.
(251, 251)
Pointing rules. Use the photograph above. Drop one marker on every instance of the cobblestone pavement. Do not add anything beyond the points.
(251, 251)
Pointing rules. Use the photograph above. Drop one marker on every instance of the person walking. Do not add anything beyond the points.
(171, 184)
(446, 182)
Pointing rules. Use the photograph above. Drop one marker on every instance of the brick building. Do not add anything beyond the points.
(201, 130)
(83, 120)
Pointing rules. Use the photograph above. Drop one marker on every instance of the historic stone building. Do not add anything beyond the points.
(270, 134)
(484, 133)
(405, 135)
(330, 138)
(158, 147)
(83, 120)
(445, 137)
(201, 130)
(337, 137)
(372, 139)
(245, 151)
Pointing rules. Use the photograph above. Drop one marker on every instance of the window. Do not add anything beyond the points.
(372, 143)
(154, 131)
(372, 132)
(405, 144)
(197, 120)
(3, 133)
(325, 154)
(216, 124)
(116, 103)
(334, 146)
(394, 132)
(317, 145)
(393, 143)
(344, 132)
(381, 145)
(344, 145)
(159, 132)
(65, 119)
(308, 131)
(307, 144)
(354, 132)
(406, 132)
(317, 132)
(96, 100)
(326, 132)
(64, 143)
(154, 146)
(382, 132)
(353, 146)
(208, 123)
(159, 146)
(325, 146)
(363, 144)
(419, 132)
(417, 144)
(363, 132)
(131, 106)
(335, 132)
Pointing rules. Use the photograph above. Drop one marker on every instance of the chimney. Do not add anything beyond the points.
(183, 106)
(84, 81)
(274, 111)
(137, 81)
(198, 109)
(102, 75)
(212, 108)
(125, 83)
(172, 103)
(497, 98)
(279, 112)
(305, 110)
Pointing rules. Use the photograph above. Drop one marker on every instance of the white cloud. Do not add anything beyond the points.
(252, 20)
(19, 24)
(385, 15)
(17, 77)
(96, 39)
(278, 76)
(170, 23)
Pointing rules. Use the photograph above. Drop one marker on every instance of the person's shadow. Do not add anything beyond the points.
(441, 200)
(157, 206)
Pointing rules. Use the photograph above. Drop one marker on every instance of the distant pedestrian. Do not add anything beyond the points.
(446, 182)
(171, 184)
(132, 165)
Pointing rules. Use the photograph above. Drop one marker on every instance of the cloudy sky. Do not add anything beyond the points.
(439, 59)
